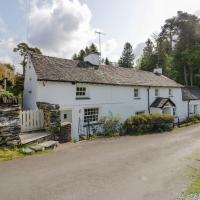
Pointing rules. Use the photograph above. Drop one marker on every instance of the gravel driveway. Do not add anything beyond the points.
(147, 167)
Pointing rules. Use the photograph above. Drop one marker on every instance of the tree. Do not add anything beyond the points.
(23, 50)
(176, 49)
(169, 31)
(92, 49)
(127, 57)
(149, 59)
(84, 52)
(107, 62)
(187, 47)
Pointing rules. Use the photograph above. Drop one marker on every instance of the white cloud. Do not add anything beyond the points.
(138, 50)
(60, 28)
(108, 49)
(7, 55)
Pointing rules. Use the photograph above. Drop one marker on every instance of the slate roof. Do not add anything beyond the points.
(190, 93)
(161, 102)
(57, 69)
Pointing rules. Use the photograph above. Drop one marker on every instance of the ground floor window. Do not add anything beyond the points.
(91, 115)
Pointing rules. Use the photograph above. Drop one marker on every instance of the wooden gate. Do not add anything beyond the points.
(31, 120)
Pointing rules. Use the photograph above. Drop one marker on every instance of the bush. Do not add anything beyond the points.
(189, 121)
(111, 125)
(195, 118)
(148, 123)
(7, 94)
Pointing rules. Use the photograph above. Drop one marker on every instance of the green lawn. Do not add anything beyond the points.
(16, 153)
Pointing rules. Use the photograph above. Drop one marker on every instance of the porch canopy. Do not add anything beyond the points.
(163, 105)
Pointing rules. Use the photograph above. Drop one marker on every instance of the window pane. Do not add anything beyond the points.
(80, 91)
(91, 115)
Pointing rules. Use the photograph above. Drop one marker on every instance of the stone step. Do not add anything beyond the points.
(32, 138)
(45, 145)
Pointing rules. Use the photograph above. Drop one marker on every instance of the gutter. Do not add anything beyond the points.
(112, 84)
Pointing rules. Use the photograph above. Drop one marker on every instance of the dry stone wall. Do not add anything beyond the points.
(10, 127)
(52, 120)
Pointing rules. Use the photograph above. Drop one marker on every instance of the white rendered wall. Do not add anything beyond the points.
(116, 99)
(30, 88)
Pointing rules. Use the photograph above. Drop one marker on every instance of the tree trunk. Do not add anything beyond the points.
(171, 41)
(185, 75)
(191, 77)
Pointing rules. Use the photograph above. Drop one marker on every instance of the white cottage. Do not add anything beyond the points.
(87, 91)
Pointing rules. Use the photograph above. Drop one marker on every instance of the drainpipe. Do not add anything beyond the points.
(188, 109)
(148, 99)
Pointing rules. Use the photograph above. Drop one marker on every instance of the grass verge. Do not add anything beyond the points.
(16, 153)
(194, 188)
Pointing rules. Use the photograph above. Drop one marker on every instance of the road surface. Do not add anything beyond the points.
(147, 167)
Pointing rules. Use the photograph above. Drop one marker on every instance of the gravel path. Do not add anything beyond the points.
(147, 167)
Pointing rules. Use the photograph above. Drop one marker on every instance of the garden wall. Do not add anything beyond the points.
(52, 120)
(10, 127)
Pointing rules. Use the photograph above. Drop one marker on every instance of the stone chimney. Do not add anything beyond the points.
(93, 59)
(157, 71)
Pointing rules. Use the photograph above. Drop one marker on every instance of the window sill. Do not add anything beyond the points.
(91, 124)
(137, 98)
(82, 98)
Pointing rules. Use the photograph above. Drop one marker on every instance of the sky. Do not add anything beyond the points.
(62, 27)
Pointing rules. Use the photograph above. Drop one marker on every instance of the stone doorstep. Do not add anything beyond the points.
(45, 145)
(49, 144)
(34, 137)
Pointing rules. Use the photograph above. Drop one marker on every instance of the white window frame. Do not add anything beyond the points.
(81, 91)
(157, 92)
(92, 114)
(138, 93)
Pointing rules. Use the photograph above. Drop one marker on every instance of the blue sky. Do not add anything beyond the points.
(62, 27)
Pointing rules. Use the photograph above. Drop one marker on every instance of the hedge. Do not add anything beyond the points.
(189, 121)
(148, 123)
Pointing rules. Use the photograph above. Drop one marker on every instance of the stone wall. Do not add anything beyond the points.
(9, 121)
(52, 120)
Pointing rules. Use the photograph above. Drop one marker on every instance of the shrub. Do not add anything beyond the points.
(7, 94)
(111, 125)
(189, 121)
(196, 118)
(148, 123)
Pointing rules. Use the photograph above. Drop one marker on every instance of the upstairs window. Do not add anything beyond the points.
(170, 92)
(156, 92)
(80, 91)
(136, 93)
(91, 115)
